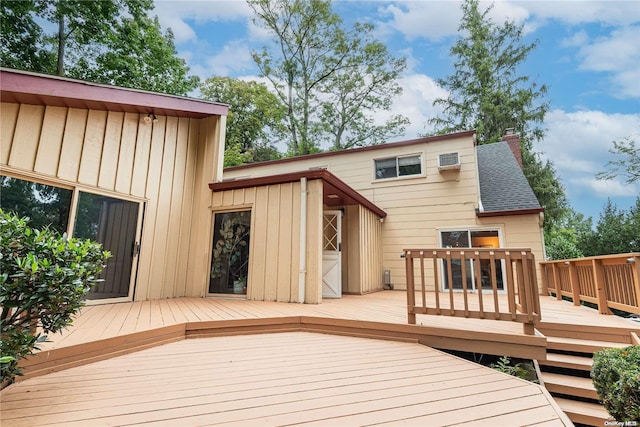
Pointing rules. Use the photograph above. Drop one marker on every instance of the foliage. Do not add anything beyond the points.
(487, 93)
(564, 239)
(256, 117)
(523, 370)
(617, 231)
(139, 55)
(319, 70)
(628, 166)
(44, 277)
(616, 377)
(111, 41)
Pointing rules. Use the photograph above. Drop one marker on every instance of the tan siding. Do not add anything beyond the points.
(92, 148)
(285, 221)
(50, 143)
(260, 253)
(353, 249)
(26, 137)
(371, 245)
(141, 159)
(8, 120)
(295, 242)
(72, 142)
(160, 147)
(166, 165)
(111, 151)
(127, 153)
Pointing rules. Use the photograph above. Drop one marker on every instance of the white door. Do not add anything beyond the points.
(331, 256)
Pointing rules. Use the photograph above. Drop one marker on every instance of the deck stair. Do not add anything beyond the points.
(566, 372)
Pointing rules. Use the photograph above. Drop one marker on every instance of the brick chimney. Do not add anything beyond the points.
(513, 139)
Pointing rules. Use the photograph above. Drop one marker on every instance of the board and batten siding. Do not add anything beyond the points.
(166, 165)
(274, 246)
(417, 207)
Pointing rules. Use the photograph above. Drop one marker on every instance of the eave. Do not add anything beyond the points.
(23, 87)
(509, 212)
(340, 192)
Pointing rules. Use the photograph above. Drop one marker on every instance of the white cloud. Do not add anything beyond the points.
(610, 12)
(234, 57)
(578, 39)
(619, 55)
(175, 13)
(578, 145)
(416, 103)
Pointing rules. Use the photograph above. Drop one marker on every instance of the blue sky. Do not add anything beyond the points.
(588, 55)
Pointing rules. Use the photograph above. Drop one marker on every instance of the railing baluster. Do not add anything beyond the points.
(436, 281)
(476, 260)
(450, 277)
(494, 284)
(422, 282)
(465, 289)
(511, 293)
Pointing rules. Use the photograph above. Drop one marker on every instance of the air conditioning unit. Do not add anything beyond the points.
(448, 161)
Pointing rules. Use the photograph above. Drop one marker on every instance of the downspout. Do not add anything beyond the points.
(302, 278)
(475, 151)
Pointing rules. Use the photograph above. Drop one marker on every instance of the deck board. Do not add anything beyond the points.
(111, 320)
(287, 378)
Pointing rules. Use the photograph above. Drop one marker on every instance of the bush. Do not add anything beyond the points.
(616, 377)
(44, 278)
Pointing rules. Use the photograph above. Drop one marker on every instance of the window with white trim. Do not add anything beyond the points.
(394, 167)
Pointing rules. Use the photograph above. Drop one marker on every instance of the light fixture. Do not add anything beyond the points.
(333, 196)
(150, 117)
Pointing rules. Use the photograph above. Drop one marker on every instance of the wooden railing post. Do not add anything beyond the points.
(635, 269)
(411, 293)
(573, 281)
(601, 290)
(556, 281)
(545, 280)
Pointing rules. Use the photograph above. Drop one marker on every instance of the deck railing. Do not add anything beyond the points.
(489, 274)
(609, 281)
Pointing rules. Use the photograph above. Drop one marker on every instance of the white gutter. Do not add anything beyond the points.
(302, 278)
(475, 152)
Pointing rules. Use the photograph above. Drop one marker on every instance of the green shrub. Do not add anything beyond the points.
(523, 370)
(44, 278)
(616, 377)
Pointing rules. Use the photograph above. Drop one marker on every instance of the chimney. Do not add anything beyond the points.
(513, 139)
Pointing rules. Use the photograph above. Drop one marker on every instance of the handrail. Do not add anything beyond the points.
(494, 271)
(609, 281)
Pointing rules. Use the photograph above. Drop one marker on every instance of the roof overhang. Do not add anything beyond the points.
(24, 87)
(335, 191)
(509, 213)
(385, 146)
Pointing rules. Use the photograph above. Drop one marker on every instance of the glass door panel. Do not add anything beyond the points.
(113, 223)
(456, 239)
(230, 253)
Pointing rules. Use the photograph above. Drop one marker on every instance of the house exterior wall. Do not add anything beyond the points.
(165, 165)
(274, 254)
(417, 207)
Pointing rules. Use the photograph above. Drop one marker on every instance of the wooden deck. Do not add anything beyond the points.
(294, 378)
(98, 322)
(107, 344)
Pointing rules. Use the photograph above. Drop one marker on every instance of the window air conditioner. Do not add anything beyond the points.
(448, 161)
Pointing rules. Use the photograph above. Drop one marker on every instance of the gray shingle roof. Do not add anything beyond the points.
(503, 186)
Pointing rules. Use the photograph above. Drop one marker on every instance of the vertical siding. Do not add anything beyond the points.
(166, 165)
(313, 290)
(274, 257)
(371, 251)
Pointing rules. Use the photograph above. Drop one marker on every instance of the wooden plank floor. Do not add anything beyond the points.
(294, 378)
(111, 320)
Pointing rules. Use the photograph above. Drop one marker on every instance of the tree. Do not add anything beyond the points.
(256, 118)
(111, 41)
(487, 93)
(139, 55)
(617, 231)
(628, 166)
(315, 67)
(564, 239)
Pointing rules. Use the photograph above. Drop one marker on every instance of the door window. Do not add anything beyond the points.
(230, 253)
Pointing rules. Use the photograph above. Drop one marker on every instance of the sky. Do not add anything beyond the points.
(588, 55)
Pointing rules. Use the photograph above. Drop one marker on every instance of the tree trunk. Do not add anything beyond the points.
(61, 43)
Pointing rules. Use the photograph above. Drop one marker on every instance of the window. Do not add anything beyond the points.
(398, 166)
(230, 259)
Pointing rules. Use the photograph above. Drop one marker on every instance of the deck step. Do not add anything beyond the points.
(569, 385)
(580, 345)
(567, 361)
(592, 414)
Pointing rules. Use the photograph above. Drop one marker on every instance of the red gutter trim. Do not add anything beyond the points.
(45, 86)
(356, 150)
(284, 178)
(511, 212)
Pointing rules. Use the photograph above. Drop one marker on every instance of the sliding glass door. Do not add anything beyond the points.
(471, 239)
(113, 222)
